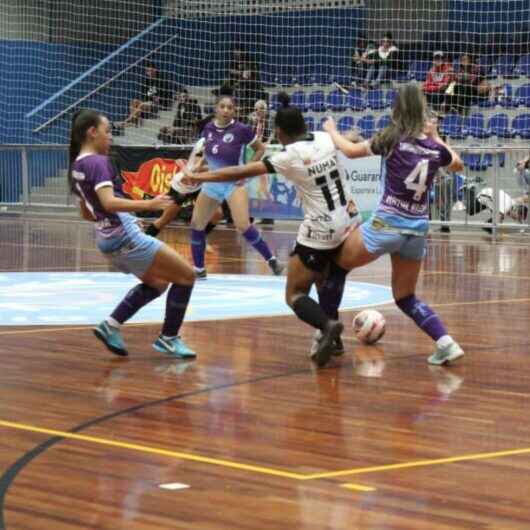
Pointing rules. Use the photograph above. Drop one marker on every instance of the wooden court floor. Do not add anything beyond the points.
(250, 435)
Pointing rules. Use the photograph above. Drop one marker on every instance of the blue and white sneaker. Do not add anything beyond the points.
(174, 346)
(111, 338)
(446, 355)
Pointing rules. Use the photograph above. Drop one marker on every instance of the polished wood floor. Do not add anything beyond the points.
(378, 441)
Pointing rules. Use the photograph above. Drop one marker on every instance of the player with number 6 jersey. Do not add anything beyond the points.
(310, 161)
(413, 152)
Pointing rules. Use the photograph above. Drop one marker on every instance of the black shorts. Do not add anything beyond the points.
(182, 198)
(315, 259)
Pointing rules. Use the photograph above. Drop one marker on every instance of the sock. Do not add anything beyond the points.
(255, 239)
(307, 310)
(331, 290)
(177, 301)
(423, 315)
(198, 245)
(444, 341)
(135, 299)
(209, 228)
(113, 323)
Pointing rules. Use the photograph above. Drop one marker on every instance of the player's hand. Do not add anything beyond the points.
(191, 179)
(330, 126)
(431, 128)
(160, 203)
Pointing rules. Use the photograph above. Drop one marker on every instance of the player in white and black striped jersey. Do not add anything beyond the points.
(311, 163)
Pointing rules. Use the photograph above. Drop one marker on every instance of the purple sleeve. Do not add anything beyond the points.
(445, 156)
(99, 173)
(247, 134)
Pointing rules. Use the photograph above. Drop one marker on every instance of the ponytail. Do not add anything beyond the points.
(289, 119)
(82, 120)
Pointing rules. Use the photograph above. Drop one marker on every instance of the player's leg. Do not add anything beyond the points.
(361, 247)
(300, 278)
(203, 211)
(406, 266)
(168, 215)
(238, 204)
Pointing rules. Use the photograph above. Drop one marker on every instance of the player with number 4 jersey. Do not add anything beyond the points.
(413, 152)
(310, 161)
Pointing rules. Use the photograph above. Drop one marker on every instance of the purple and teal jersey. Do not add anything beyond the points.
(225, 146)
(91, 172)
(408, 174)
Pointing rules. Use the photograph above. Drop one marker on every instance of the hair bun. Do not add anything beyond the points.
(76, 115)
(226, 90)
(284, 99)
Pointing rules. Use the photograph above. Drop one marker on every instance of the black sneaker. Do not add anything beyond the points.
(445, 229)
(326, 345)
(200, 274)
(275, 266)
(338, 346)
(152, 230)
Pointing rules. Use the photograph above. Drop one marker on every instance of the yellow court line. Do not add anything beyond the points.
(358, 487)
(419, 463)
(155, 451)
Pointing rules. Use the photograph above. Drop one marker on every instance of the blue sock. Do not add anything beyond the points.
(198, 246)
(426, 319)
(177, 301)
(134, 300)
(255, 239)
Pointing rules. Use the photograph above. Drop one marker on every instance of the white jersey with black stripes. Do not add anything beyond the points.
(194, 162)
(330, 212)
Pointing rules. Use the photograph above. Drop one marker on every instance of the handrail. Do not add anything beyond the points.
(92, 69)
(98, 88)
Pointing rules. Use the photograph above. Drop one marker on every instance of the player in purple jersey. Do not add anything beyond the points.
(226, 141)
(413, 152)
(118, 236)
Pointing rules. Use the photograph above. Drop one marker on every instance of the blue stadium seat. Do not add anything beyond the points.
(356, 100)
(310, 123)
(521, 126)
(475, 126)
(499, 125)
(376, 100)
(507, 99)
(418, 70)
(384, 121)
(474, 161)
(506, 67)
(298, 100)
(486, 68)
(391, 96)
(523, 66)
(345, 123)
(367, 126)
(317, 101)
(274, 105)
(336, 101)
(452, 126)
(522, 95)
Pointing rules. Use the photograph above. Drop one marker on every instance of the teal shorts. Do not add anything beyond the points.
(219, 191)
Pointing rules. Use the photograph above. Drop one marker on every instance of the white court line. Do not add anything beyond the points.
(174, 486)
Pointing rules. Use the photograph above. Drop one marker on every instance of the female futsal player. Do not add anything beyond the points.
(119, 238)
(310, 162)
(226, 141)
(413, 152)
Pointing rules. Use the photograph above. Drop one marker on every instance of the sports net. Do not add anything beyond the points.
(155, 67)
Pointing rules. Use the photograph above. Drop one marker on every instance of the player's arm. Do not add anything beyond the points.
(351, 150)
(113, 204)
(431, 129)
(259, 150)
(86, 214)
(227, 174)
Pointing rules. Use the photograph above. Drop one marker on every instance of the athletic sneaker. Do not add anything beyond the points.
(174, 346)
(450, 353)
(200, 274)
(326, 344)
(275, 266)
(112, 338)
(338, 346)
(152, 230)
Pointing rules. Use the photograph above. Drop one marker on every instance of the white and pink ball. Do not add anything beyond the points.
(369, 326)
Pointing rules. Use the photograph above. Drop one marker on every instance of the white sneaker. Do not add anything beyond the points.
(450, 353)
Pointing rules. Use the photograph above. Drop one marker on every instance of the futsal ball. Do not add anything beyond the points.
(369, 326)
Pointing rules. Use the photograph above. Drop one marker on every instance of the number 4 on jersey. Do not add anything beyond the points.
(417, 179)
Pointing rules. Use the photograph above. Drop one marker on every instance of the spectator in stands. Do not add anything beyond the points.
(438, 79)
(385, 61)
(156, 94)
(184, 128)
(357, 63)
(468, 86)
(370, 62)
(520, 208)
